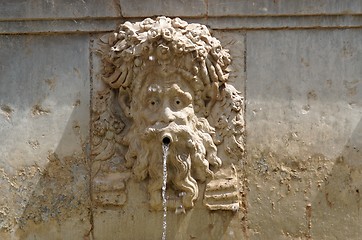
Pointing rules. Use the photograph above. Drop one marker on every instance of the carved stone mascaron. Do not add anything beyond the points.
(166, 78)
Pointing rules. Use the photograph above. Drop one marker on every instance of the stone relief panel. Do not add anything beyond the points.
(167, 84)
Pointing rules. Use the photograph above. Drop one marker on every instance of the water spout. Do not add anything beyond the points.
(166, 139)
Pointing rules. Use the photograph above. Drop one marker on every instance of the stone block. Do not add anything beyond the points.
(303, 119)
(282, 7)
(182, 8)
(134, 221)
(56, 9)
(44, 122)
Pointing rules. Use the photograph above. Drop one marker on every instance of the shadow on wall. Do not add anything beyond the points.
(59, 206)
(339, 200)
(44, 105)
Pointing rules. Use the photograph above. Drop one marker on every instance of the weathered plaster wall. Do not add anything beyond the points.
(304, 133)
(298, 64)
(44, 130)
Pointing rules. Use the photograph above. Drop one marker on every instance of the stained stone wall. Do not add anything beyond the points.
(298, 65)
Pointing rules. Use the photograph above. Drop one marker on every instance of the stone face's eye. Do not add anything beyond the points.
(153, 103)
(178, 103)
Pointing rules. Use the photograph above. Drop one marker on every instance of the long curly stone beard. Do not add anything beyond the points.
(191, 152)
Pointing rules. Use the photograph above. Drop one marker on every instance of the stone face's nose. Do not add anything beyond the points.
(167, 115)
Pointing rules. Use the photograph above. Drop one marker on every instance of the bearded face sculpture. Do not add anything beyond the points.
(168, 75)
(163, 113)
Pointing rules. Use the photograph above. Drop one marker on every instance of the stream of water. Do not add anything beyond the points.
(165, 148)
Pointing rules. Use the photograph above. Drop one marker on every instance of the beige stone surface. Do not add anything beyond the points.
(44, 114)
(134, 221)
(296, 62)
(282, 7)
(303, 123)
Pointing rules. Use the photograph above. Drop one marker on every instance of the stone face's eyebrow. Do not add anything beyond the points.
(177, 91)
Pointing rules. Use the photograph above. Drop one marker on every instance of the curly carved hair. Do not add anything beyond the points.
(169, 45)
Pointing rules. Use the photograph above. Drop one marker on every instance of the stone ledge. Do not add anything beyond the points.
(92, 9)
(240, 23)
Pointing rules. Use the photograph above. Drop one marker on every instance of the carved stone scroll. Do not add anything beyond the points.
(167, 79)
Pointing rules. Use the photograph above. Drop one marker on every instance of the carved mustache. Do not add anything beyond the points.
(172, 130)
